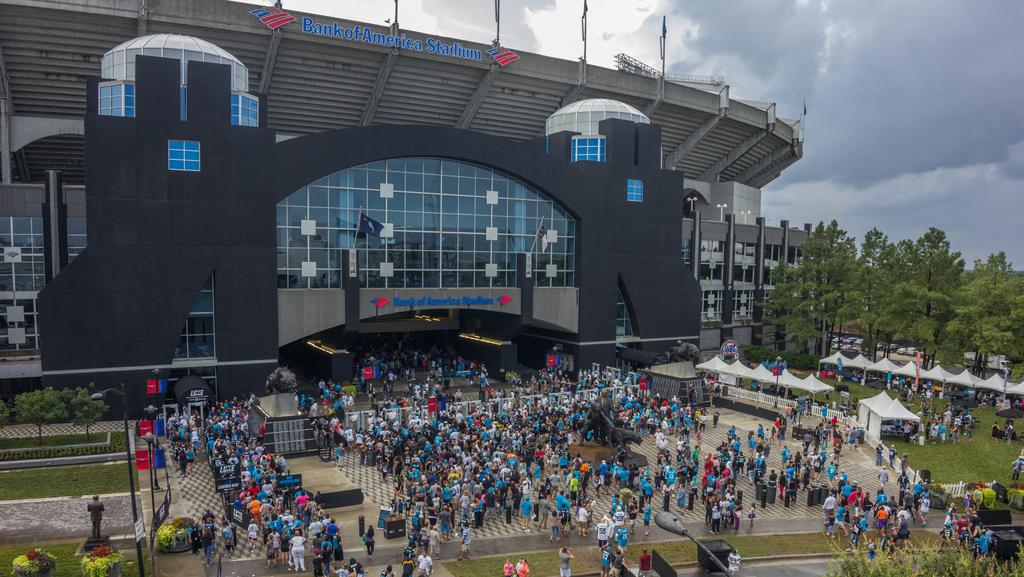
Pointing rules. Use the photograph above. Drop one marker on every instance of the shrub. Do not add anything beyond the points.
(116, 446)
(170, 532)
(800, 361)
(988, 498)
(34, 562)
(100, 561)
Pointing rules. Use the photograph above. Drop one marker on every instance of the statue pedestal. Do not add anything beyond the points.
(279, 405)
(91, 544)
(593, 452)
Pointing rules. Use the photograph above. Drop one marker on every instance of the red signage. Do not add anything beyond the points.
(368, 373)
(643, 383)
(145, 427)
(552, 360)
(432, 405)
(141, 460)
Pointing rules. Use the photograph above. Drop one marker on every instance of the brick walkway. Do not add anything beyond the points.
(22, 430)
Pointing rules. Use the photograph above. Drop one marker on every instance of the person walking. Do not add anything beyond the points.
(368, 540)
(466, 540)
(297, 548)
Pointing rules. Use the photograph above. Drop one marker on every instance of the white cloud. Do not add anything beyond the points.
(977, 205)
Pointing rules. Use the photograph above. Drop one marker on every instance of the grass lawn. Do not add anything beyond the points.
(972, 459)
(68, 564)
(63, 481)
(545, 564)
(56, 440)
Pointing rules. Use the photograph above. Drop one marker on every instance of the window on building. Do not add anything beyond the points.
(745, 255)
(245, 110)
(443, 228)
(712, 259)
(77, 239)
(183, 155)
(743, 305)
(197, 336)
(687, 245)
(588, 148)
(634, 190)
(711, 305)
(117, 99)
(623, 326)
(22, 276)
(772, 256)
(793, 255)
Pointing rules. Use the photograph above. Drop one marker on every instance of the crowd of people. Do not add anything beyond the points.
(452, 469)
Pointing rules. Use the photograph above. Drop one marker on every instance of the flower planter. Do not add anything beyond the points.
(180, 545)
(45, 573)
(115, 570)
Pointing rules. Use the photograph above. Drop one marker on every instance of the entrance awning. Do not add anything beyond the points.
(192, 389)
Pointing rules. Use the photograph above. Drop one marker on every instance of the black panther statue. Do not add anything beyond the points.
(680, 352)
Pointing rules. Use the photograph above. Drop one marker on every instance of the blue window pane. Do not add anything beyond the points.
(183, 155)
(634, 190)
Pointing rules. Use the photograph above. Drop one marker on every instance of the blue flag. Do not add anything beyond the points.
(369, 226)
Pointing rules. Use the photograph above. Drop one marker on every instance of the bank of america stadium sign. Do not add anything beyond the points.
(273, 18)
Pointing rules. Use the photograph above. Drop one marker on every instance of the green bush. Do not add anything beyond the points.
(988, 498)
(801, 361)
(116, 446)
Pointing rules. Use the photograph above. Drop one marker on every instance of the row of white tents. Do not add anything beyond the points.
(759, 373)
(935, 374)
(871, 412)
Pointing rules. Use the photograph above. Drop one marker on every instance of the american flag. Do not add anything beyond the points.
(273, 16)
(503, 56)
(542, 236)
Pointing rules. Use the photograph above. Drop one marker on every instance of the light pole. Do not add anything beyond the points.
(154, 486)
(721, 211)
(140, 560)
(745, 214)
(692, 200)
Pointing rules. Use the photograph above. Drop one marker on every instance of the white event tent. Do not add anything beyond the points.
(937, 373)
(714, 365)
(964, 378)
(907, 370)
(871, 412)
(882, 366)
(858, 362)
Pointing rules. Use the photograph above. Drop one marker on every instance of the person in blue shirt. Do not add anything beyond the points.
(526, 508)
(647, 519)
(622, 538)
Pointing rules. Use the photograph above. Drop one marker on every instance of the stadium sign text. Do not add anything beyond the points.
(366, 35)
(448, 301)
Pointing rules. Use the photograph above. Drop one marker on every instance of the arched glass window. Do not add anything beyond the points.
(448, 224)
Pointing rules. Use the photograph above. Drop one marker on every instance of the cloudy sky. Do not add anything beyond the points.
(915, 108)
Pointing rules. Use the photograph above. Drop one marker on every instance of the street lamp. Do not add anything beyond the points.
(154, 486)
(745, 214)
(152, 443)
(721, 211)
(140, 560)
(692, 200)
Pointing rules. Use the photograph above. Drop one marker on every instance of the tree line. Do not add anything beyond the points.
(44, 406)
(917, 290)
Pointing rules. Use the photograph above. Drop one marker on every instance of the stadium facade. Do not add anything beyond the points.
(205, 187)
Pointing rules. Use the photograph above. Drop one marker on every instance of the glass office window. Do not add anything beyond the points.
(634, 190)
(197, 339)
(117, 99)
(743, 305)
(772, 257)
(440, 215)
(245, 110)
(711, 305)
(712, 259)
(623, 326)
(23, 271)
(183, 155)
(77, 238)
(744, 257)
(588, 148)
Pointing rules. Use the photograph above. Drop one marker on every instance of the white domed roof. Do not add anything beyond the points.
(583, 116)
(119, 61)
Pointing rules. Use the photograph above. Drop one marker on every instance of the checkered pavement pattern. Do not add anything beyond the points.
(195, 495)
(368, 478)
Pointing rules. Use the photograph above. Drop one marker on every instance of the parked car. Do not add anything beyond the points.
(911, 351)
(901, 351)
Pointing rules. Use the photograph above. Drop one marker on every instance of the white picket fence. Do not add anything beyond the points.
(955, 490)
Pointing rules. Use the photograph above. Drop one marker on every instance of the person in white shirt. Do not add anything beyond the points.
(829, 508)
(424, 565)
(583, 516)
(602, 532)
(297, 550)
(253, 532)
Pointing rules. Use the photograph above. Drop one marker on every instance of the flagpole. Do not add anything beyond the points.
(497, 22)
(584, 36)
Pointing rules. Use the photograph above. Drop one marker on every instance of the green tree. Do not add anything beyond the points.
(85, 410)
(873, 287)
(40, 407)
(924, 300)
(984, 321)
(5, 414)
(815, 296)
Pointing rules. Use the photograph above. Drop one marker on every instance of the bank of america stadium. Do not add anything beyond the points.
(211, 188)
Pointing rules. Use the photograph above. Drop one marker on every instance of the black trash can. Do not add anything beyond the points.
(508, 515)
(693, 497)
(665, 499)
(759, 494)
(362, 525)
(771, 490)
(812, 496)
(739, 499)
(713, 547)
(371, 458)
